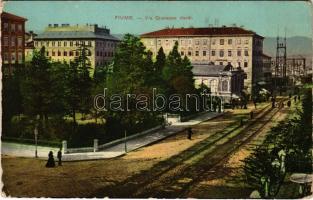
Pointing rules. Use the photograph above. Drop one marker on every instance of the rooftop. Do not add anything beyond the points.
(208, 31)
(74, 35)
(207, 69)
(65, 31)
(6, 15)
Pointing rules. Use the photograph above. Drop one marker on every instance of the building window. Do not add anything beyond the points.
(221, 63)
(12, 27)
(12, 41)
(204, 53)
(245, 64)
(47, 53)
(197, 42)
(65, 44)
(53, 53)
(221, 41)
(238, 52)
(224, 85)
(105, 54)
(59, 53)
(204, 42)
(159, 42)
(48, 43)
(19, 27)
(182, 53)
(246, 53)
(5, 26)
(246, 41)
(13, 57)
(230, 41)
(229, 53)
(59, 44)
(5, 41)
(97, 53)
(53, 43)
(213, 42)
(76, 53)
(189, 53)
(20, 41)
(65, 53)
(89, 43)
(71, 53)
(213, 53)
(197, 53)
(239, 64)
(238, 41)
(71, 43)
(221, 53)
(6, 57)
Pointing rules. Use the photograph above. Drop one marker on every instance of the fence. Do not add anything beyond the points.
(96, 147)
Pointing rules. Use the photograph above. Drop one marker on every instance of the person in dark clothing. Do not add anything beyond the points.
(189, 132)
(251, 115)
(273, 102)
(299, 97)
(289, 103)
(295, 98)
(50, 162)
(59, 157)
(254, 102)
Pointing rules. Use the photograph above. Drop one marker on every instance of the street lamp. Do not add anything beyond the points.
(36, 136)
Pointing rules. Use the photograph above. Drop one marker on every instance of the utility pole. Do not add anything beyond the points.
(125, 136)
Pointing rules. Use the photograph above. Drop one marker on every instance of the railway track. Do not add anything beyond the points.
(174, 176)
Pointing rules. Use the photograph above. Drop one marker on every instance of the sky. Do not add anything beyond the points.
(264, 17)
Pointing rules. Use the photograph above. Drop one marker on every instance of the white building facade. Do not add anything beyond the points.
(215, 45)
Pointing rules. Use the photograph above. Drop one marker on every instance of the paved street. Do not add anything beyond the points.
(14, 149)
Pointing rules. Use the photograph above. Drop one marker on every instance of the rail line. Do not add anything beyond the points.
(141, 185)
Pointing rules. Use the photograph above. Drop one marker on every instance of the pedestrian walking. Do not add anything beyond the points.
(50, 162)
(189, 133)
(273, 102)
(59, 157)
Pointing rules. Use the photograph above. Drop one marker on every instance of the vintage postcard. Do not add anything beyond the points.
(156, 99)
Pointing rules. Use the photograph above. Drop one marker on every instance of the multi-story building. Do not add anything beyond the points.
(12, 41)
(29, 45)
(222, 80)
(266, 72)
(215, 45)
(63, 41)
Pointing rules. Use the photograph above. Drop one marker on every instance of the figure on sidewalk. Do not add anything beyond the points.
(189, 132)
(273, 102)
(50, 162)
(59, 157)
(254, 102)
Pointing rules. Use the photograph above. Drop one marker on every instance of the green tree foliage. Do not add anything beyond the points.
(79, 84)
(294, 136)
(132, 73)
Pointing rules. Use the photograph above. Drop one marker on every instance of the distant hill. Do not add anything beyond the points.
(295, 46)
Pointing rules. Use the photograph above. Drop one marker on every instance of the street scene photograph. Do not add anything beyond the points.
(156, 99)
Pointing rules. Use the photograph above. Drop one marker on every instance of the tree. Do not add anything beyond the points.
(79, 84)
(37, 89)
(132, 73)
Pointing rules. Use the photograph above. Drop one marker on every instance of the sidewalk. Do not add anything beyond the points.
(111, 152)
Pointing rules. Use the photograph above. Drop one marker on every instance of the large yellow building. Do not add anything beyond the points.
(213, 45)
(63, 41)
